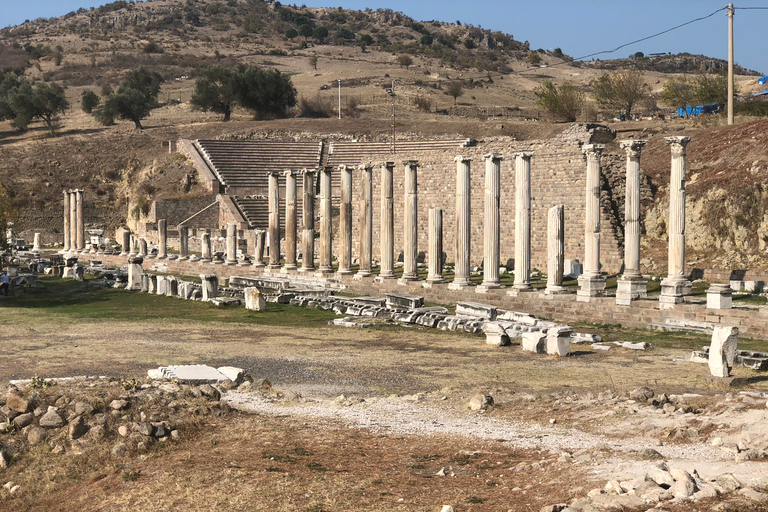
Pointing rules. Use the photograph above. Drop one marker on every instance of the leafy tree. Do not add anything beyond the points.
(50, 101)
(134, 99)
(563, 103)
(89, 101)
(620, 90)
(366, 39)
(534, 59)
(405, 60)
(215, 91)
(21, 102)
(345, 33)
(712, 89)
(454, 90)
(291, 33)
(677, 92)
(268, 93)
(320, 33)
(305, 31)
(426, 40)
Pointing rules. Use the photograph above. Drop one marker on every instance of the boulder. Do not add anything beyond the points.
(726, 483)
(22, 420)
(658, 473)
(36, 435)
(16, 402)
(642, 394)
(119, 404)
(77, 428)
(51, 419)
(480, 402)
(210, 392)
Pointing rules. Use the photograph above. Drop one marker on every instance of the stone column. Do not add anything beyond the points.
(134, 272)
(675, 286)
(491, 222)
(125, 250)
(183, 243)
(67, 237)
(463, 223)
(80, 221)
(210, 286)
(326, 223)
(205, 249)
(274, 222)
(387, 227)
(162, 238)
(592, 283)
(345, 221)
(631, 285)
(308, 221)
(290, 220)
(410, 215)
(435, 275)
(522, 223)
(38, 244)
(258, 251)
(143, 247)
(73, 221)
(134, 245)
(231, 243)
(556, 250)
(365, 253)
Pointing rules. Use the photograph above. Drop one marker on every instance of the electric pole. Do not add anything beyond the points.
(730, 63)
(339, 98)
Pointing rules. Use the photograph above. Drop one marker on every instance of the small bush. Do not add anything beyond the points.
(352, 109)
(316, 107)
(422, 103)
(752, 108)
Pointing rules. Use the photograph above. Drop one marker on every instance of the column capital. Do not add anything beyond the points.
(592, 149)
(365, 167)
(411, 163)
(632, 147)
(275, 173)
(388, 164)
(677, 144)
(525, 155)
(493, 156)
(344, 167)
(304, 172)
(288, 172)
(462, 158)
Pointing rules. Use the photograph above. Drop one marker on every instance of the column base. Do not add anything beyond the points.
(244, 264)
(405, 280)
(629, 289)
(324, 272)
(673, 291)
(431, 283)
(719, 296)
(194, 258)
(231, 263)
(162, 257)
(361, 276)
(520, 289)
(461, 285)
(306, 270)
(272, 268)
(258, 265)
(383, 278)
(121, 254)
(590, 286)
(289, 266)
(183, 258)
(555, 290)
(344, 271)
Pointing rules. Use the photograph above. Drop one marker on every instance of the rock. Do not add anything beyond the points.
(7, 486)
(57, 449)
(22, 420)
(159, 429)
(683, 488)
(83, 409)
(77, 428)
(14, 490)
(36, 435)
(51, 419)
(5, 458)
(613, 487)
(446, 508)
(726, 483)
(534, 342)
(119, 404)
(8, 412)
(650, 454)
(123, 430)
(97, 432)
(210, 392)
(624, 501)
(480, 402)
(722, 350)
(595, 492)
(15, 402)
(120, 450)
(441, 472)
(642, 394)
(145, 429)
(751, 494)
(658, 473)
(236, 375)
(554, 508)
(708, 491)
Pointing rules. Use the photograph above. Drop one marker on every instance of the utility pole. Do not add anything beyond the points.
(730, 63)
(392, 93)
(339, 98)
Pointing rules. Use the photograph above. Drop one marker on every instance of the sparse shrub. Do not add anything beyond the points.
(316, 107)
(752, 108)
(153, 47)
(352, 108)
(422, 103)
(534, 59)
(405, 60)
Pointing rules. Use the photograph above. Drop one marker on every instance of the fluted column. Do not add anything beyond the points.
(410, 228)
(675, 286)
(80, 221)
(491, 222)
(592, 282)
(555, 250)
(522, 222)
(308, 220)
(290, 220)
(345, 221)
(258, 250)
(365, 254)
(126, 245)
(387, 227)
(183, 243)
(631, 285)
(73, 220)
(205, 248)
(162, 239)
(231, 243)
(326, 225)
(274, 222)
(435, 266)
(463, 223)
(67, 233)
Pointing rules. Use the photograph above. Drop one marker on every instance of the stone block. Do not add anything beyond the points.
(722, 351)
(476, 310)
(404, 300)
(559, 341)
(534, 342)
(254, 300)
(210, 284)
(572, 268)
(495, 334)
(719, 296)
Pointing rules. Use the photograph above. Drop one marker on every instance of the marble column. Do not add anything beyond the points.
(326, 223)
(491, 222)
(205, 249)
(555, 250)
(463, 224)
(675, 286)
(231, 243)
(67, 237)
(522, 223)
(290, 220)
(183, 243)
(365, 253)
(80, 229)
(162, 238)
(143, 247)
(37, 245)
(387, 223)
(345, 221)
(308, 221)
(410, 227)
(125, 250)
(435, 275)
(274, 222)
(258, 251)
(592, 282)
(631, 285)
(73, 221)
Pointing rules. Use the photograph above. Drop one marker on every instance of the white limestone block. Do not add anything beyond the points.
(254, 300)
(722, 351)
(534, 342)
(495, 334)
(559, 341)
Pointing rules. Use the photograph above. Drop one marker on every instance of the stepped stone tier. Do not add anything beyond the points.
(592, 282)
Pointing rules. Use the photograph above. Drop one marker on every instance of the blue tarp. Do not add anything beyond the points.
(762, 80)
(698, 109)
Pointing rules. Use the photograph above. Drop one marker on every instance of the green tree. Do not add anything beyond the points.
(268, 93)
(620, 90)
(533, 58)
(305, 31)
(50, 101)
(563, 103)
(89, 101)
(21, 102)
(712, 89)
(320, 33)
(677, 92)
(291, 33)
(405, 60)
(134, 99)
(366, 39)
(454, 90)
(215, 91)
(426, 40)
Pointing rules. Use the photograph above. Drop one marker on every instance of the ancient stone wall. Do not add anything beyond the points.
(177, 210)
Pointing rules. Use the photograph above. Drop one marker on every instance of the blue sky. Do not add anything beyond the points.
(578, 27)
